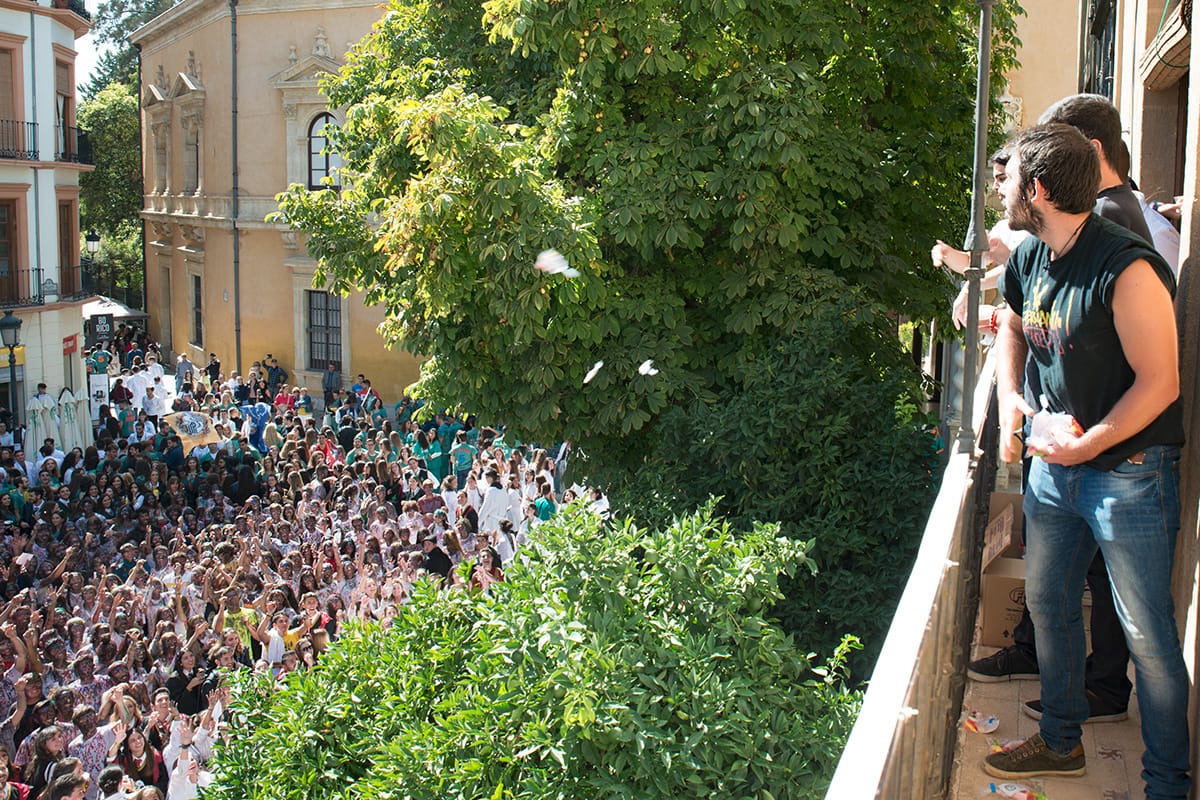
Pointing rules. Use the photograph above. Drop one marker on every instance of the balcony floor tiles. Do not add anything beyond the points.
(1113, 749)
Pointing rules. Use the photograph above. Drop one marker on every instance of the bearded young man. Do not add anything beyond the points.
(1091, 328)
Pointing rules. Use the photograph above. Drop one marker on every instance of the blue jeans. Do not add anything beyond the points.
(1132, 514)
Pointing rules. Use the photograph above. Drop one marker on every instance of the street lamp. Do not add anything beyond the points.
(92, 243)
(10, 334)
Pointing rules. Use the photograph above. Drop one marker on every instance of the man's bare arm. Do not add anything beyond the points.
(1010, 352)
(1144, 316)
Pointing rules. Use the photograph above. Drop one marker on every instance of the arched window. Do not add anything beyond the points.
(322, 161)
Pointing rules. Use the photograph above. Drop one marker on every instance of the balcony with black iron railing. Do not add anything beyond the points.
(20, 287)
(72, 282)
(18, 140)
(73, 145)
(78, 6)
(89, 279)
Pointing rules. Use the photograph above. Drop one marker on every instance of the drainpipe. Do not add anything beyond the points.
(36, 272)
(237, 249)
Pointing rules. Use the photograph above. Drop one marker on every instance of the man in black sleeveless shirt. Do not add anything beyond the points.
(1091, 328)
(1106, 677)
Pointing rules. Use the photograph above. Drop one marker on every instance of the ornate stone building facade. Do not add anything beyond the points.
(232, 115)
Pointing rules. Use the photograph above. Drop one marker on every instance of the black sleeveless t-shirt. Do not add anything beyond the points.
(1075, 356)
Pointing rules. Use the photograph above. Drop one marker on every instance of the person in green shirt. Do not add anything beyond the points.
(240, 448)
(404, 410)
(435, 460)
(463, 455)
(447, 430)
(127, 416)
(359, 453)
(232, 614)
(545, 505)
(99, 360)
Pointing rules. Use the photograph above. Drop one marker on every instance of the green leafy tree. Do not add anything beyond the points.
(826, 441)
(611, 663)
(110, 196)
(699, 164)
(112, 66)
(726, 177)
(114, 21)
(118, 263)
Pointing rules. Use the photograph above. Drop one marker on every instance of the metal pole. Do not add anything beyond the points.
(12, 394)
(977, 242)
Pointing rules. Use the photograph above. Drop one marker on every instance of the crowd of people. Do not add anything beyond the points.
(137, 573)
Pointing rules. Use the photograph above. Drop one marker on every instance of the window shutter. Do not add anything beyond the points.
(7, 94)
(62, 79)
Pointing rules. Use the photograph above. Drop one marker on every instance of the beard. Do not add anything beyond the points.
(1022, 216)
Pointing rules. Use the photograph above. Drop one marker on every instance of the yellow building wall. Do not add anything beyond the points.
(189, 235)
(1049, 56)
(390, 371)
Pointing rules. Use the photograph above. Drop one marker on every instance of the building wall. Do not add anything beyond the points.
(1048, 55)
(1163, 132)
(1187, 567)
(40, 36)
(42, 332)
(187, 65)
(1152, 116)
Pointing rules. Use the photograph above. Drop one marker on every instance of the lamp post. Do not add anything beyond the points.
(10, 334)
(92, 243)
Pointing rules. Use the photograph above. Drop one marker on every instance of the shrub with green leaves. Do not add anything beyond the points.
(820, 432)
(614, 663)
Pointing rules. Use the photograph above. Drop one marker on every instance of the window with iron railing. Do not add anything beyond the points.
(73, 146)
(197, 312)
(18, 140)
(19, 286)
(324, 330)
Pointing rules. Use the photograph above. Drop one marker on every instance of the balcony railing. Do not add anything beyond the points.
(88, 279)
(20, 287)
(902, 745)
(71, 283)
(18, 140)
(73, 145)
(77, 6)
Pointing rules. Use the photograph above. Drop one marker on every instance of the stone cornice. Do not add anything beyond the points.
(180, 21)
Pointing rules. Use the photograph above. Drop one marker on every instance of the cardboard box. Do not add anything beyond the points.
(1001, 601)
(1002, 538)
(1000, 500)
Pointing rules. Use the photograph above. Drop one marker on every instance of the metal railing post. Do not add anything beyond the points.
(977, 240)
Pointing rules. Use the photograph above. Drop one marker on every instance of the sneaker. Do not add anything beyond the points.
(1007, 664)
(1033, 757)
(1098, 711)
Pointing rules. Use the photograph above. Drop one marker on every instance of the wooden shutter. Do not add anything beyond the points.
(66, 241)
(7, 93)
(62, 79)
